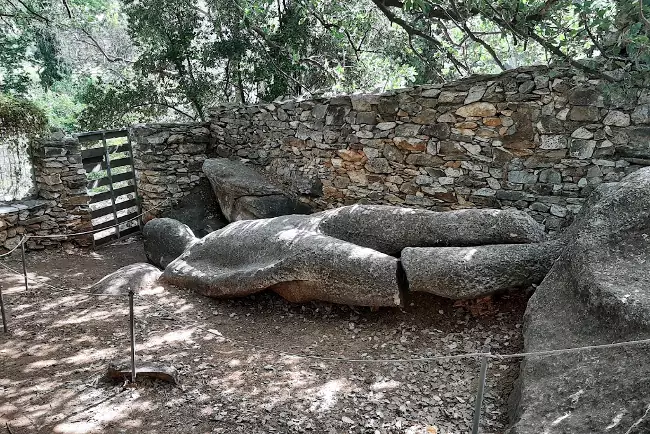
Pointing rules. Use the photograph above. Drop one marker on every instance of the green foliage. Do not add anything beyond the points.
(107, 63)
(13, 53)
(19, 116)
(61, 104)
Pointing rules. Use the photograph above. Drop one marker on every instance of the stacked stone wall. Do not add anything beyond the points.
(60, 206)
(538, 139)
(168, 160)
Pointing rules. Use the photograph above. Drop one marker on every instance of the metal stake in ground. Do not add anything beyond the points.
(479, 395)
(22, 247)
(132, 327)
(2, 309)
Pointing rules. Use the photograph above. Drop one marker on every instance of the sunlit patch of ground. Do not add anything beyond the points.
(61, 343)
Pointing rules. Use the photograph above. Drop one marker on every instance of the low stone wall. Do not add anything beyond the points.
(537, 139)
(168, 160)
(61, 204)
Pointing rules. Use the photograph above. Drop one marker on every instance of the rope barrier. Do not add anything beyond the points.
(62, 290)
(102, 229)
(20, 243)
(73, 291)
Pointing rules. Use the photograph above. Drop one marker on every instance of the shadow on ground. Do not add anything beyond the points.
(61, 343)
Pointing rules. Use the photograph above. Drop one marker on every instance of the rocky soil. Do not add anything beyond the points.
(61, 343)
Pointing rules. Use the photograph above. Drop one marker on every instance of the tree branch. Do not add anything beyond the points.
(31, 11)
(413, 31)
(101, 50)
(497, 19)
(465, 27)
(67, 8)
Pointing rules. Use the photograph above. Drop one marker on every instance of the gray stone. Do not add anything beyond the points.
(582, 133)
(393, 154)
(641, 114)
(471, 272)
(385, 126)
(584, 96)
(390, 229)
(138, 277)
(553, 142)
(290, 256)
(439, 130)
(522, 177)
(638, 143)
(378, 165)
(166, 239)
(407, 130)
(550, 176)
(617, 119)
(598, 292)
(582, 149)
(475, 93)
(584, 113)
(527, 87)
(243, 193)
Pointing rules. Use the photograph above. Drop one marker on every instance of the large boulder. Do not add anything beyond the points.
(390, 229)
(166, 239)
(137, 277)
(598, 292)
(199, 210)
(472, 272)
(244, 194)
(290, 256)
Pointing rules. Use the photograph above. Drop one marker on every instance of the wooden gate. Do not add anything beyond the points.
(108, 160)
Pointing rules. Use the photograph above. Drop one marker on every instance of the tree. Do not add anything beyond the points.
(568, 30)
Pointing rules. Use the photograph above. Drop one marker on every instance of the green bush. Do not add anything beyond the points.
(19, 116)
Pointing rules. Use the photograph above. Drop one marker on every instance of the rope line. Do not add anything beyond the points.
(61, 290)
(14, 249)
(74, 291)
(542, 353)
(102, 229)
(571, 349)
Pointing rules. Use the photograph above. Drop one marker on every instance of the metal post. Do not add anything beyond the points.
(2, 309)
(132, 327)
(479, 395)
(22, 247)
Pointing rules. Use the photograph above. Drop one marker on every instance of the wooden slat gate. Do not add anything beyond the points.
(111, 183)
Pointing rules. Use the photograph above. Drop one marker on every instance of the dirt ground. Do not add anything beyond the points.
(61, 342)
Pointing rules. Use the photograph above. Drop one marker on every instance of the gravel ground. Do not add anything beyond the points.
(61, 343)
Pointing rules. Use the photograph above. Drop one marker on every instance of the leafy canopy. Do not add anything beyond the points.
(103, 63)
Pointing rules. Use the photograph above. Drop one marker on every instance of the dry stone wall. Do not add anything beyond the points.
(61, 204)
(168, 160)
(538, 139)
